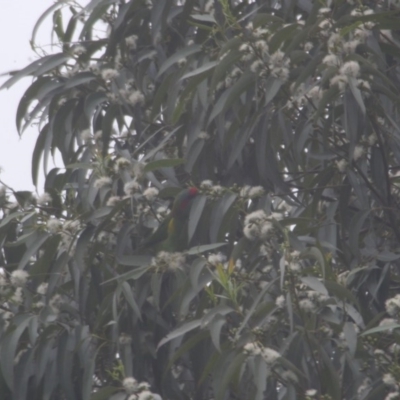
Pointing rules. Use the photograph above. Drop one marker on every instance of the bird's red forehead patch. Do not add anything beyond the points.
(193, 191)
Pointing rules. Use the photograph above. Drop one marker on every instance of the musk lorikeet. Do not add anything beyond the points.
(171, 235)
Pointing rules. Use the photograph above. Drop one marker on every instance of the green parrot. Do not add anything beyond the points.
(171, 235)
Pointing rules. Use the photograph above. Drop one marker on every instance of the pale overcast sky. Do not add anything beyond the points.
(17, 19)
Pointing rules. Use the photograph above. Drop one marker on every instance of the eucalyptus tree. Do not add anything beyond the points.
(284, 115)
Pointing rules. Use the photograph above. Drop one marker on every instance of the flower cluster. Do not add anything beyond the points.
(251, 192)
(138, 390)
(259, 226)
(392, 306)
(166, 261)
(269, 355)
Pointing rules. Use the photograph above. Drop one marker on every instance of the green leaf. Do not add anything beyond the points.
(185, 328)
(204, 248)
(128, 294)
(315, 284)
(39, 22)
(231, 95)
(182, 53)
(133, 274)
(204, 68)
(196, 211)
(164, 163)
(230, 374)
(215, 327)
(9, 346)
(34, 246)
(379, 329)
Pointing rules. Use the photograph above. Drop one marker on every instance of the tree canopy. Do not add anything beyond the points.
(284, 115)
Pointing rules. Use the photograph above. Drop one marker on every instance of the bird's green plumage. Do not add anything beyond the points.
(171, 235)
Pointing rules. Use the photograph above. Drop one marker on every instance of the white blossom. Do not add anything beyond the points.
(42, 288)
(325, 25)
(170, 261)
(388, 321)
(217, 190)
(364, 387)
(307, 305)
(151, 193)
(236, 72)
(294, 266)
(147, 395)
(130, 384)
(350, 46)
(19, 277)
(359, 151)
(261, 46)
(78, 50)
(209, 6)
(72, 226)
(270, 355)
(252, 349)
(121, 164)
(207, 184)
(228, 81)
(102, 181)
(340, 80)
(393, 396)
(182, 62)
(43, 199)
(256, 191)
(311, 392)
(350, 68)
(138, 169)
(203, 135)
(324, 10)
(259, 32)
(131, 41)
(280, 301)
(215, 259)
(315, 93)
(98, 136)
(255, 217)
(245, 48)
(334, 42)
(276, 216)
(136, 97)
(364, 85)
(143, 386)
(341, 165)
(162, 212)
(244, 191)
(389, 380)
(278, 60)
(54, 225)
(109, 73)
(392, 305)
(331, 60)
(281, 73)
(17, 297)
(361, 34)
(132, 187)
(55, 303)
(308, 46)
(256, 66)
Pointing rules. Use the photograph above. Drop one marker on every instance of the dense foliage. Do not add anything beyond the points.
(285, 116)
